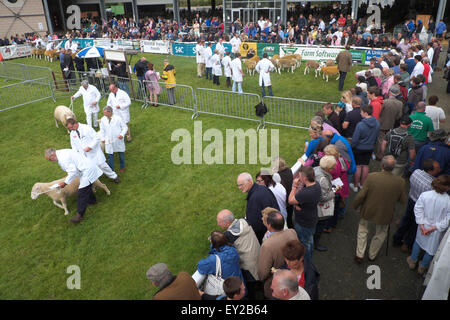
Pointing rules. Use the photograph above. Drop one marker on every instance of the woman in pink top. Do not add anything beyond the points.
(318, 120)
(388, 82)
(152, 85)
(341, 194)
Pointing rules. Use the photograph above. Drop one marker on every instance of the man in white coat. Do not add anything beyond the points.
(235, 45)
(226, 62)
(77, 165)
(91, 97)
(208, 54)
(237, 73)
(120, 102)
(112, 132)
(220, 48)
(216, 67)
(86, 141)
(264, 67)
(200, 58)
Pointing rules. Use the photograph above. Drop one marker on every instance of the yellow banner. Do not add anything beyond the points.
(247, 46)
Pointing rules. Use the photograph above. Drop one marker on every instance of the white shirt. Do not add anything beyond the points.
(384, 64)
(90, 95)
(280, 194)
(236, 68)
(322, 26)
(418, 69)
(220, 48)
(199, 53)
(436, 114)
(88, 138)
(121, 99)
(110, 130)
(430, 54)
(261, 24)
(207, 54)
(226, 62)
(77, 165)
(235, 45)
(264, 67)
(74, 46)
(49, 46)
(301, 295)
(432, 209)
(67, 45)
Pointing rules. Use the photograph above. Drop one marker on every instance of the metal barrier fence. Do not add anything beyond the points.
(172, 95)
(228, 104)
(19, 94)
(17, 71)
(295, 113)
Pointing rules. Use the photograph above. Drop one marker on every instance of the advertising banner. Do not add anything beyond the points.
(358, 56)
(184, 49)
(374, 54)
(158, 46)
(15, 51)
(245, 46)
(270, 48)
(82, 43)
(323, 53)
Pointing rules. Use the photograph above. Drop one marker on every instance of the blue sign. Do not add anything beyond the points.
(374, 54)
(187, 49)
(82, 43)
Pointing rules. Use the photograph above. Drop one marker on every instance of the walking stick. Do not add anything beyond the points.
(387, 241)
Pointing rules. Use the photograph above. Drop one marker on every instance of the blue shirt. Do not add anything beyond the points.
(336, 140)
(312, 145)
(437, 151)
(411, 64)
(441, 27)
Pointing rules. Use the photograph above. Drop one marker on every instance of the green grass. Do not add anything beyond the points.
(161, 212)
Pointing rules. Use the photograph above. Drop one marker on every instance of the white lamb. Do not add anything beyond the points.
(63, 194)
(62, 114)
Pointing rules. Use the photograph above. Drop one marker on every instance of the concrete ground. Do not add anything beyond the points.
(341, 277)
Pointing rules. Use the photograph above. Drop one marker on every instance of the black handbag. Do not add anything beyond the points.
(260, 109)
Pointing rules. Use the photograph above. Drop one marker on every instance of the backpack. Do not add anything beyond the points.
(260, 109)
(395, 143)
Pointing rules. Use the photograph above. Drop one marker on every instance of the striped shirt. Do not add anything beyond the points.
(420, 181)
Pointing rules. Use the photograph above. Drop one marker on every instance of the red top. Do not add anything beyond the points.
(301, 280)
(426, 71)
(341, 22)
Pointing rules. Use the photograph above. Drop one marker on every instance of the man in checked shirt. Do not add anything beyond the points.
(420, 181)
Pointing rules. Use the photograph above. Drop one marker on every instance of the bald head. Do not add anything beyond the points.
(245, 182)
(421, 105)
(388, 163)
(225, 218)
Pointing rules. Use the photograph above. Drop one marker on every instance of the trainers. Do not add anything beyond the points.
(352, 186)
(411, 263)
(117, 180)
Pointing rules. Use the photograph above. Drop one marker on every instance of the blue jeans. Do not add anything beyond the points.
(415, 256)
(239, 86)
(342, 76)
(407, 229)
(123, 85)
(121, 159)
(264, 91)
(305, 235)
(208, 73)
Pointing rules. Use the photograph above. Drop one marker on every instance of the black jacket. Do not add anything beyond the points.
(68, 62)
(259, 198)
(140, 67)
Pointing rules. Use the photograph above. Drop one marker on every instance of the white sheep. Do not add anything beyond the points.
(62, 114)
(63, 194)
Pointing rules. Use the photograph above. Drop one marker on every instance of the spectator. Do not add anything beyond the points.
(352, 118)
(258, 198)
(437, 150)
(418, 68)
(140, 68)
(305, 196)
(376, 101)
(344, 61)
(432, 211)
(285, 286)
(233, 288)
(376, 203)
(263, 178)
(387, 83)
(441, 29)
(307, 275)
(416, 94)
(180, 287)
(436, 114)
(271, 255)
(420, 126)
(168, 76)
(279, 166)
(153, 87)
(419, 182)
(332, 117)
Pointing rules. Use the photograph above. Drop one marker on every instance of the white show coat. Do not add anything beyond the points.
(220, 49)
(432, 209)
(208, 54)
(49, 46)
(88, 138)
(74, 46)
(200, 53)
(67, 45)
(236, 68)
(110, 132)
(121, 99)
(226, 62)
(90, 95)
(264, 67)
(216, 65)
(235, 45)
(418, 69)
(77, 165)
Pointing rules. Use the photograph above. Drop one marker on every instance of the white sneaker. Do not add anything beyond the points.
(352, 186)
(359, 186)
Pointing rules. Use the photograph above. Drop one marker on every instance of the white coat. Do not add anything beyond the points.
(220, 49)
(121, 99)
(216, 65)
(226, 62)
(264, 67)
(200, 53)
(67, 45)
(110, 130)
(208, 54)
(235, 45)
(432, 209)
(88, 138)
(90, 95)
(77, 165)
(74, 47)
(236, 68)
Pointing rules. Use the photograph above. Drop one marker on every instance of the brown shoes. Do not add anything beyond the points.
(411, 263)
(76, 219)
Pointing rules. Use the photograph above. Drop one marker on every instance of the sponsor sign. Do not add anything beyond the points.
(186, 49)
(15, 51)
(245, 46)
(374, 54)
(270, 48)
(157, 46)
(82, 43)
